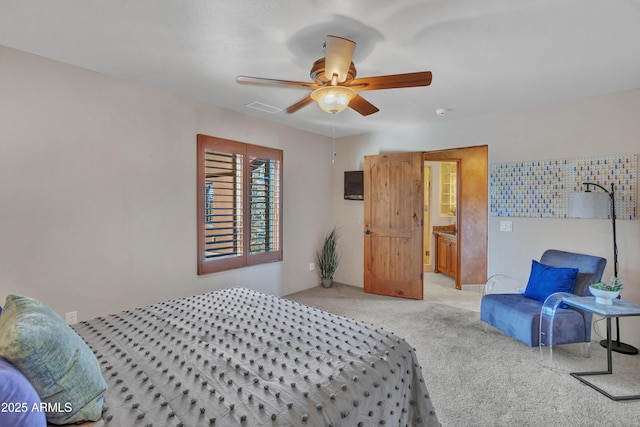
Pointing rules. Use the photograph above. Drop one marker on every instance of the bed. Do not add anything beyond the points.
(241, 357)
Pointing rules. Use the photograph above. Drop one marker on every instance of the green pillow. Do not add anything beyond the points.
(57, 362)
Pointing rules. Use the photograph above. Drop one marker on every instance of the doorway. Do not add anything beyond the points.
(472, 210)
(427, 246)
(440, 206)
(394, 219)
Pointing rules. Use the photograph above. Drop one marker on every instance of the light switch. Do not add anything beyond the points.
(506, 226)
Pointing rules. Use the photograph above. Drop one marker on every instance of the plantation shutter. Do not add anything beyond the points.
(223, 205)
(264, 205)
(239, 204)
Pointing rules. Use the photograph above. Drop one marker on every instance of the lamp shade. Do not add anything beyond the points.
(589, 204)
(333, 99)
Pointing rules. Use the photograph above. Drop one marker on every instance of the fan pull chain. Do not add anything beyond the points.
(333, 127)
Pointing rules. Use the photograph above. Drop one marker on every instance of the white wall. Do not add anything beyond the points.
(98, 188)
(98, 191)
(603, 125)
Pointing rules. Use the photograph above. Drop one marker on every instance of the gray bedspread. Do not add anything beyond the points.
(237, 357)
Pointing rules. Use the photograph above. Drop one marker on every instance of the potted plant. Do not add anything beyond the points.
(606, 292)
(328, 258)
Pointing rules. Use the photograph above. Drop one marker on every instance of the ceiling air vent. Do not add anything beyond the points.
(266, 108)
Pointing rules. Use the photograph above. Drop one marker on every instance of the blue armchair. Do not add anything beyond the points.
(516, 310)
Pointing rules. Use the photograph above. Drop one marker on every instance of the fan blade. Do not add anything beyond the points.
(363, 106)
(338, 54)
(392, 81)
(298, 105)
(274, 82)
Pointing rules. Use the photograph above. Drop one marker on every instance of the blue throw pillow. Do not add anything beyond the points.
(56, 361)
(20, 402)
(545, 280)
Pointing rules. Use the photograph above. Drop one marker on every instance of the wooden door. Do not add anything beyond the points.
(472, 211)
(393, 208)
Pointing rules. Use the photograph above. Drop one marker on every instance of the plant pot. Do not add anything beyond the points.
(326, 282)
(602, 296)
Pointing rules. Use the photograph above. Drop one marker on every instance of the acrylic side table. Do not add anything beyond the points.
(618, 308)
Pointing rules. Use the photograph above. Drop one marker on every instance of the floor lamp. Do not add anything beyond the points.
(600, 205)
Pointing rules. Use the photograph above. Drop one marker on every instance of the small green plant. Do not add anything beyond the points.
(328, 257)
(614, 285)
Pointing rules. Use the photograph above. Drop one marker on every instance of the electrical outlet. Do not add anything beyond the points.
(312, 267)
(71, 317)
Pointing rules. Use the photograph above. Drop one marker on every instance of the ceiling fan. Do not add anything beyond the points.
(335, 86)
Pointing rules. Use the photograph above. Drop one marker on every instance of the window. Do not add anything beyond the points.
(448, 172)
(239, 204)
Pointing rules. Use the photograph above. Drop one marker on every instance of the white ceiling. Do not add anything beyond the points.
(485, 55)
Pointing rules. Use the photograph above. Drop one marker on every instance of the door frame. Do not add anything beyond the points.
(472, 210)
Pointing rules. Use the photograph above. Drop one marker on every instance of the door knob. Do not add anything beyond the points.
(367, 231)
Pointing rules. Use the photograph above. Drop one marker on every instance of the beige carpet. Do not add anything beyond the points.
(479, 378)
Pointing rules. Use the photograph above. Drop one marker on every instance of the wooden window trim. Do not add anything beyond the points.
(209, 143)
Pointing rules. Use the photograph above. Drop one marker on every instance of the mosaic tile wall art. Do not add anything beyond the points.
(540, 189)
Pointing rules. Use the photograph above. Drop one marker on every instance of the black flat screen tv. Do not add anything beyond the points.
(354, 185)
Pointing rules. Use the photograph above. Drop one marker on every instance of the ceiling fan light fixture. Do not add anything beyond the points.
(333, 99)
(335, 83)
